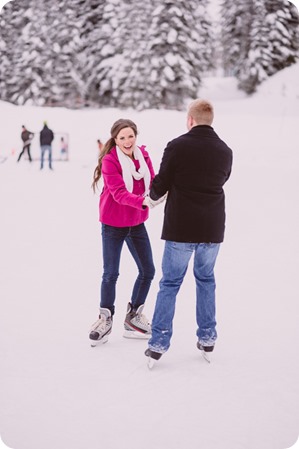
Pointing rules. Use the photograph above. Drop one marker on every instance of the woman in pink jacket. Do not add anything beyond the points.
(127, 172)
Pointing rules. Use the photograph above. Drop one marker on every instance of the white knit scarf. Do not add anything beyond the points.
(129, 169)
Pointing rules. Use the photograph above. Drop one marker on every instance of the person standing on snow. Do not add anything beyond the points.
(46, 139)
(194, 168)
(63, 149)
(26, 137)
(127, 173)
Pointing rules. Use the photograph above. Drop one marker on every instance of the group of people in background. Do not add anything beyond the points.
(193, 171)
(46, 137)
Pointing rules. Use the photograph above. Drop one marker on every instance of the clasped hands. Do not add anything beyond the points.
(149, 202)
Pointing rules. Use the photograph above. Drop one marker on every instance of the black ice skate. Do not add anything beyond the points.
(152, 357)
(205, 350)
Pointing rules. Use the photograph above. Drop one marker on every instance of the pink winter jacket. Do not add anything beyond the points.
(118, 207)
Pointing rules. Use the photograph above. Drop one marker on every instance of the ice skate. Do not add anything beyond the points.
(101, 329)
(136, 324)
(152, 357)
(205, 351)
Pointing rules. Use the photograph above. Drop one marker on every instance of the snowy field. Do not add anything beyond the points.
(57, 391)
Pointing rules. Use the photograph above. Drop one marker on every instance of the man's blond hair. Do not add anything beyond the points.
(201, 111)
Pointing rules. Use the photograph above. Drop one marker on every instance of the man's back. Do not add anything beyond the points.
(194, 168)
(46, 136)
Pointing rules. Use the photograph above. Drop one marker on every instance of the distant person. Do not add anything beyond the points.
(46, 139)
(26, 137)
(63, 149)
(194, 168)
(100, 145)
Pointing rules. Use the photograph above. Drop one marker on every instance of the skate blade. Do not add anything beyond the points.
(206, 356)
(94, 343)
(136, 335)
(150, 363)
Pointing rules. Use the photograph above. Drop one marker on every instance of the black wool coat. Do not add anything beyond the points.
(193, 170)
(46, 136)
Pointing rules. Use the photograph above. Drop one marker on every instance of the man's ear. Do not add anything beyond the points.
(190, 122)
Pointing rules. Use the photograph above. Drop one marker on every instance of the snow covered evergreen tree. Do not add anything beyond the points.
(91, 23)
(258, 59)
(66, 83)
(283, 24)
(260, 37)
(131, 73)
(107, 58)
(39, 50)
(104, 52)
(177, 53)
(13, 20)
(126, 75)
(236, 18)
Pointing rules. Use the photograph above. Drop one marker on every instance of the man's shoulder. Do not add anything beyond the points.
(177, 140)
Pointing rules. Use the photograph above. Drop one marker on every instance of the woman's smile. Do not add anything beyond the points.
(126, 140)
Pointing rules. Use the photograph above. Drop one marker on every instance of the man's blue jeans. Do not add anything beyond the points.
(137, 240)
(174, 267)
(45, 148)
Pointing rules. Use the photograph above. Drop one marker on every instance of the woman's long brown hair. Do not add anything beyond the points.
(115, 129)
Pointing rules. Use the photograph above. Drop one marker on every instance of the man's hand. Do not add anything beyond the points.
(152, 203)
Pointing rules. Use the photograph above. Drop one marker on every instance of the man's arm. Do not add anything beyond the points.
(163, 180)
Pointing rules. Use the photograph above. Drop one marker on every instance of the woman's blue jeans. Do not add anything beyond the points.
(137, 240)
(174, 267)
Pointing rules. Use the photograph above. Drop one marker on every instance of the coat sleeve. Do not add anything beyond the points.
(163, 180)
(115, 184)
(148, 162)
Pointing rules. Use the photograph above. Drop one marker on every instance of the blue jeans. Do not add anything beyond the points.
(137, 240)
(45, 148)
(174, 266)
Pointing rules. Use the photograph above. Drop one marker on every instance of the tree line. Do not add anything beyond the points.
(150, 54)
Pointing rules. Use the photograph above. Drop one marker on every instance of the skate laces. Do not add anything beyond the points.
(142, 319)
(100, 324)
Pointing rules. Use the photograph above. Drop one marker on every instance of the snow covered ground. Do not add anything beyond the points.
(57, 391)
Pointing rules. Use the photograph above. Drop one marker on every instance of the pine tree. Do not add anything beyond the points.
(109, 60)
(14, 18)
(176, 54)
(283, 24)
(105, 52)
(65, 83)
(94, 40)
(259, 37)
(236, 19)
(255, 67)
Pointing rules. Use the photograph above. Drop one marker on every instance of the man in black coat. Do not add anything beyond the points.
(194, 168)
(46, 139)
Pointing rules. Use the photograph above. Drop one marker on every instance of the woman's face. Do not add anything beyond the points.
(126, 140)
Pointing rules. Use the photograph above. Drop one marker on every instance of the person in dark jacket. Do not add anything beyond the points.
(26, 137)
(46, 139)
(193, 170)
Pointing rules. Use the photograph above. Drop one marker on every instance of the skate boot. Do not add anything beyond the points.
(101, 328)
(152, 357)
(136, 324)
(205, 350)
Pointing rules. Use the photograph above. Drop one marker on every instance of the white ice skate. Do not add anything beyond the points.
(136, 324)
(101, 329)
